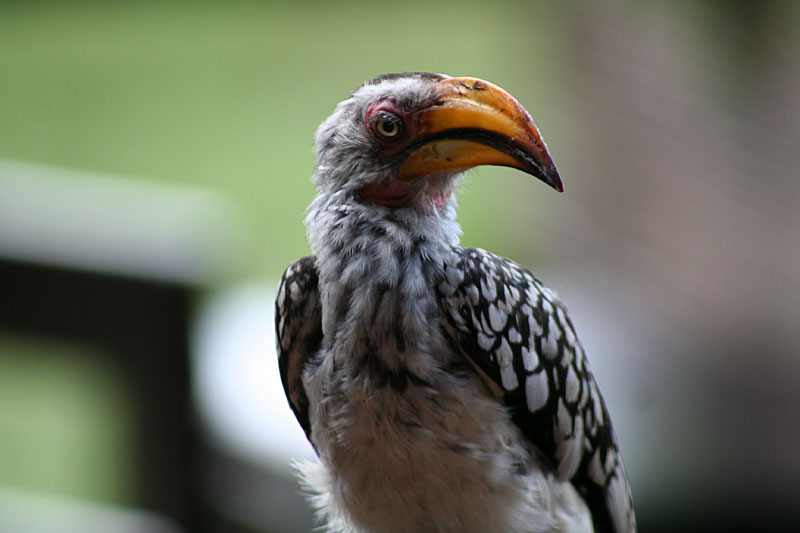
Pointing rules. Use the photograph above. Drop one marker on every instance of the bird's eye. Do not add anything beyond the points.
(389, 126)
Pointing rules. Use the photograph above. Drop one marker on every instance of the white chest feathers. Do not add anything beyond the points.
(437, 454)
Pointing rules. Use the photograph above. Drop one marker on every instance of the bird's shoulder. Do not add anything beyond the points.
(520, 338)
(298, 331)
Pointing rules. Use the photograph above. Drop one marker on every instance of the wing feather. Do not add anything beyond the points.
(520, 337)
(298, 329)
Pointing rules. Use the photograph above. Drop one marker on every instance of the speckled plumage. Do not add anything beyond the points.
(443, 388)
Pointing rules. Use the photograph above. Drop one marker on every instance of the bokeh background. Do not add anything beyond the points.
(154, 172)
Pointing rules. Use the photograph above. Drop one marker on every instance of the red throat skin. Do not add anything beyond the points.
(398, 194)
(441, 198)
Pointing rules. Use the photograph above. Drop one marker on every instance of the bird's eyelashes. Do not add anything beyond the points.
(388, 126)
(385, 121)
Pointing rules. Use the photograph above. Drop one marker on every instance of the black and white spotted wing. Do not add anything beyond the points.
(298, 329)
(519, 335)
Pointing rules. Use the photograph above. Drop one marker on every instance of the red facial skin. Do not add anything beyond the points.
(440, 199)
(396, 193)
(395, 144)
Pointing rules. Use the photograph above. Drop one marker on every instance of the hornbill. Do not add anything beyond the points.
(443, 388)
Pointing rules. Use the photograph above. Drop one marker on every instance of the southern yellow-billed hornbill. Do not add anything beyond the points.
(443, 387)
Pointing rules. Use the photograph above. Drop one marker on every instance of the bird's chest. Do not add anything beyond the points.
(398, 417)
(395, 447)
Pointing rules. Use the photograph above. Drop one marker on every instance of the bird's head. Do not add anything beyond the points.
(404, 139)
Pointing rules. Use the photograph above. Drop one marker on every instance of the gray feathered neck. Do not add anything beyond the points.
(376, 264)
(377, 268)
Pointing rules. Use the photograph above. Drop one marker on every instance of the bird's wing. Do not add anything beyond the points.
(298, 329)
(518, 336)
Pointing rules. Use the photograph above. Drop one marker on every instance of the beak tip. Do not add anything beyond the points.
(550, 176)
(557, 184)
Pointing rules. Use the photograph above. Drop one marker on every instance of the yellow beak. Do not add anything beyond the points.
(472, 123)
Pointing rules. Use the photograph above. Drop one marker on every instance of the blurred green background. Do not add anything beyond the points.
(63, 422)
(674, 124)
(228, 94)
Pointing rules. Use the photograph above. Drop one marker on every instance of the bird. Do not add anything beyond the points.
(443, 388)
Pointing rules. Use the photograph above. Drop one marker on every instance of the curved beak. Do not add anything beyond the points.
(472, 123)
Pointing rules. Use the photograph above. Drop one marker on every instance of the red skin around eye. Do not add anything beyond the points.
(394, 145)
(395, 193)
(381, 105)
